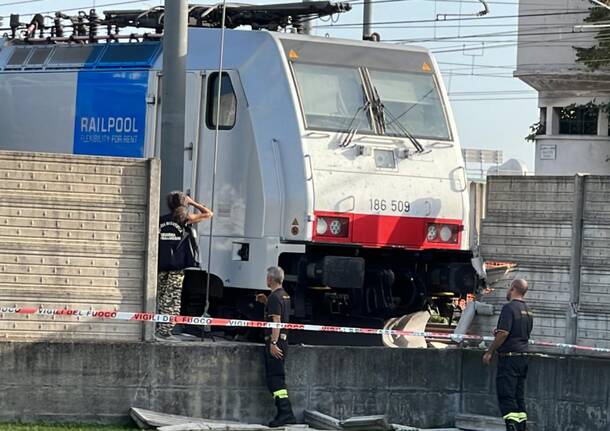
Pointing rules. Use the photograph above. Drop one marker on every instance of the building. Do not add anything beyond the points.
(572, 135)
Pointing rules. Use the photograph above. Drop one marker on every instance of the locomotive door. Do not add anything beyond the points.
(193, 126)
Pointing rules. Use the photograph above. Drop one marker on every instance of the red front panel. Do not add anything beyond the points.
(373, 230)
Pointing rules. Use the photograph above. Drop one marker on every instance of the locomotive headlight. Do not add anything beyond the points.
(432, 232)
(321, 226)
(446, 233)
(335, 227)
(332, 227)
(442, 233)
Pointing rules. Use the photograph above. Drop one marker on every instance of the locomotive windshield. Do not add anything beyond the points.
(412, 100)
(334, 98)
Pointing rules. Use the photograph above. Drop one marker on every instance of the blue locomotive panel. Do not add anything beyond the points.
(110, 117)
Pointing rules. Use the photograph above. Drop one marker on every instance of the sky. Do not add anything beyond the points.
(492, 109)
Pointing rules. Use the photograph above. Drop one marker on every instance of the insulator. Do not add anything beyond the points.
(14, 24)
(93, 23)
(58, 28)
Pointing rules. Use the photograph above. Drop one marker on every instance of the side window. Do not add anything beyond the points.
(228, 102)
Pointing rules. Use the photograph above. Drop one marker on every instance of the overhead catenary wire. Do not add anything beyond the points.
(18, 3)
(507, 3)
(419, 21)
(538, 25)
(490, 92)
(492, 35)
(495, 99)
(509, 66)
(503, 44)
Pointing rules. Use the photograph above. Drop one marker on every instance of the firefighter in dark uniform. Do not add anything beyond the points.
(277, 309)
(511, 342)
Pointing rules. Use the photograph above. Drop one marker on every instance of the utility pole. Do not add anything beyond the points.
(367, 20)
(174, 93)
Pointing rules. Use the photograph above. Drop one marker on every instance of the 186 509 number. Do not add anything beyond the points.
(393, 205)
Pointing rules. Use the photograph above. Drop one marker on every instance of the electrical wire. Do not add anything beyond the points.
(539, 25)
(489, 93)
(17, 3)
(490, 35)
(419, 21)
(545, 5)
(513, 99)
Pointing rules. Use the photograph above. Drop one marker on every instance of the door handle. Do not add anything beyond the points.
(189, 148)
(309, 175)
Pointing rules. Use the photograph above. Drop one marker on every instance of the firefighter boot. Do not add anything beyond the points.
(523, 426)
(284, 413)
(512, 425)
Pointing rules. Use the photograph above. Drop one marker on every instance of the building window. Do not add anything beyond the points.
(578, 120)
(228, 102)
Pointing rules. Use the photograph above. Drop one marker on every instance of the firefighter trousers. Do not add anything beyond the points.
(510, 386)
(275, 370)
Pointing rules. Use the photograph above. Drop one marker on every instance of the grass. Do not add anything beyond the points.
(62, 427)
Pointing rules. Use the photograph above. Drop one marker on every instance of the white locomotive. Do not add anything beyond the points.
(338, 159)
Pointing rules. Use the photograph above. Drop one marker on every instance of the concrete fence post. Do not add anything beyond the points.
(152, 231)
(575, 260)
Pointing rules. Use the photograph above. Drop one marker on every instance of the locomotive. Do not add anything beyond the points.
(337, 159)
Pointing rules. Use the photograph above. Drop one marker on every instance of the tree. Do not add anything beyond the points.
(598, 55)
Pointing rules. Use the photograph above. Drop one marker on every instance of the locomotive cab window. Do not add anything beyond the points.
(411, 104)
(343, 99)
(228, 102)
(332, 97)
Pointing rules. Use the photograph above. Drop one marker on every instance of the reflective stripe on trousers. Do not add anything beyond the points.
(515, 417)
(282, 393)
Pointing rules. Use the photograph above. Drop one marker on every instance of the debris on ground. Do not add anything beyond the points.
(367, 423)
(314, 420)
(320, 421)
(479, 423)
(147, 419)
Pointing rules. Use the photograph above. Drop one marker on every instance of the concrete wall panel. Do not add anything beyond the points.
(543, 248)
(98, 383)
(74, 233)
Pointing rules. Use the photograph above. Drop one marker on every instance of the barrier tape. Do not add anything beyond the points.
(216, 321)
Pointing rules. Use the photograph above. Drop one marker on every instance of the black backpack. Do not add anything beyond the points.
(186, 253)
(177, 255)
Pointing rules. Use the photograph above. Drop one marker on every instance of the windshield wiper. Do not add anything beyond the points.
(380, 113)
(351, 128)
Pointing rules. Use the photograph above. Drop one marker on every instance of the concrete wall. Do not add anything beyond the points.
(566, 393)
(98, 383)
(77, 382)
(529, 222)
(534, 222)
(570, 155)
(476, 193)
(77, 232)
